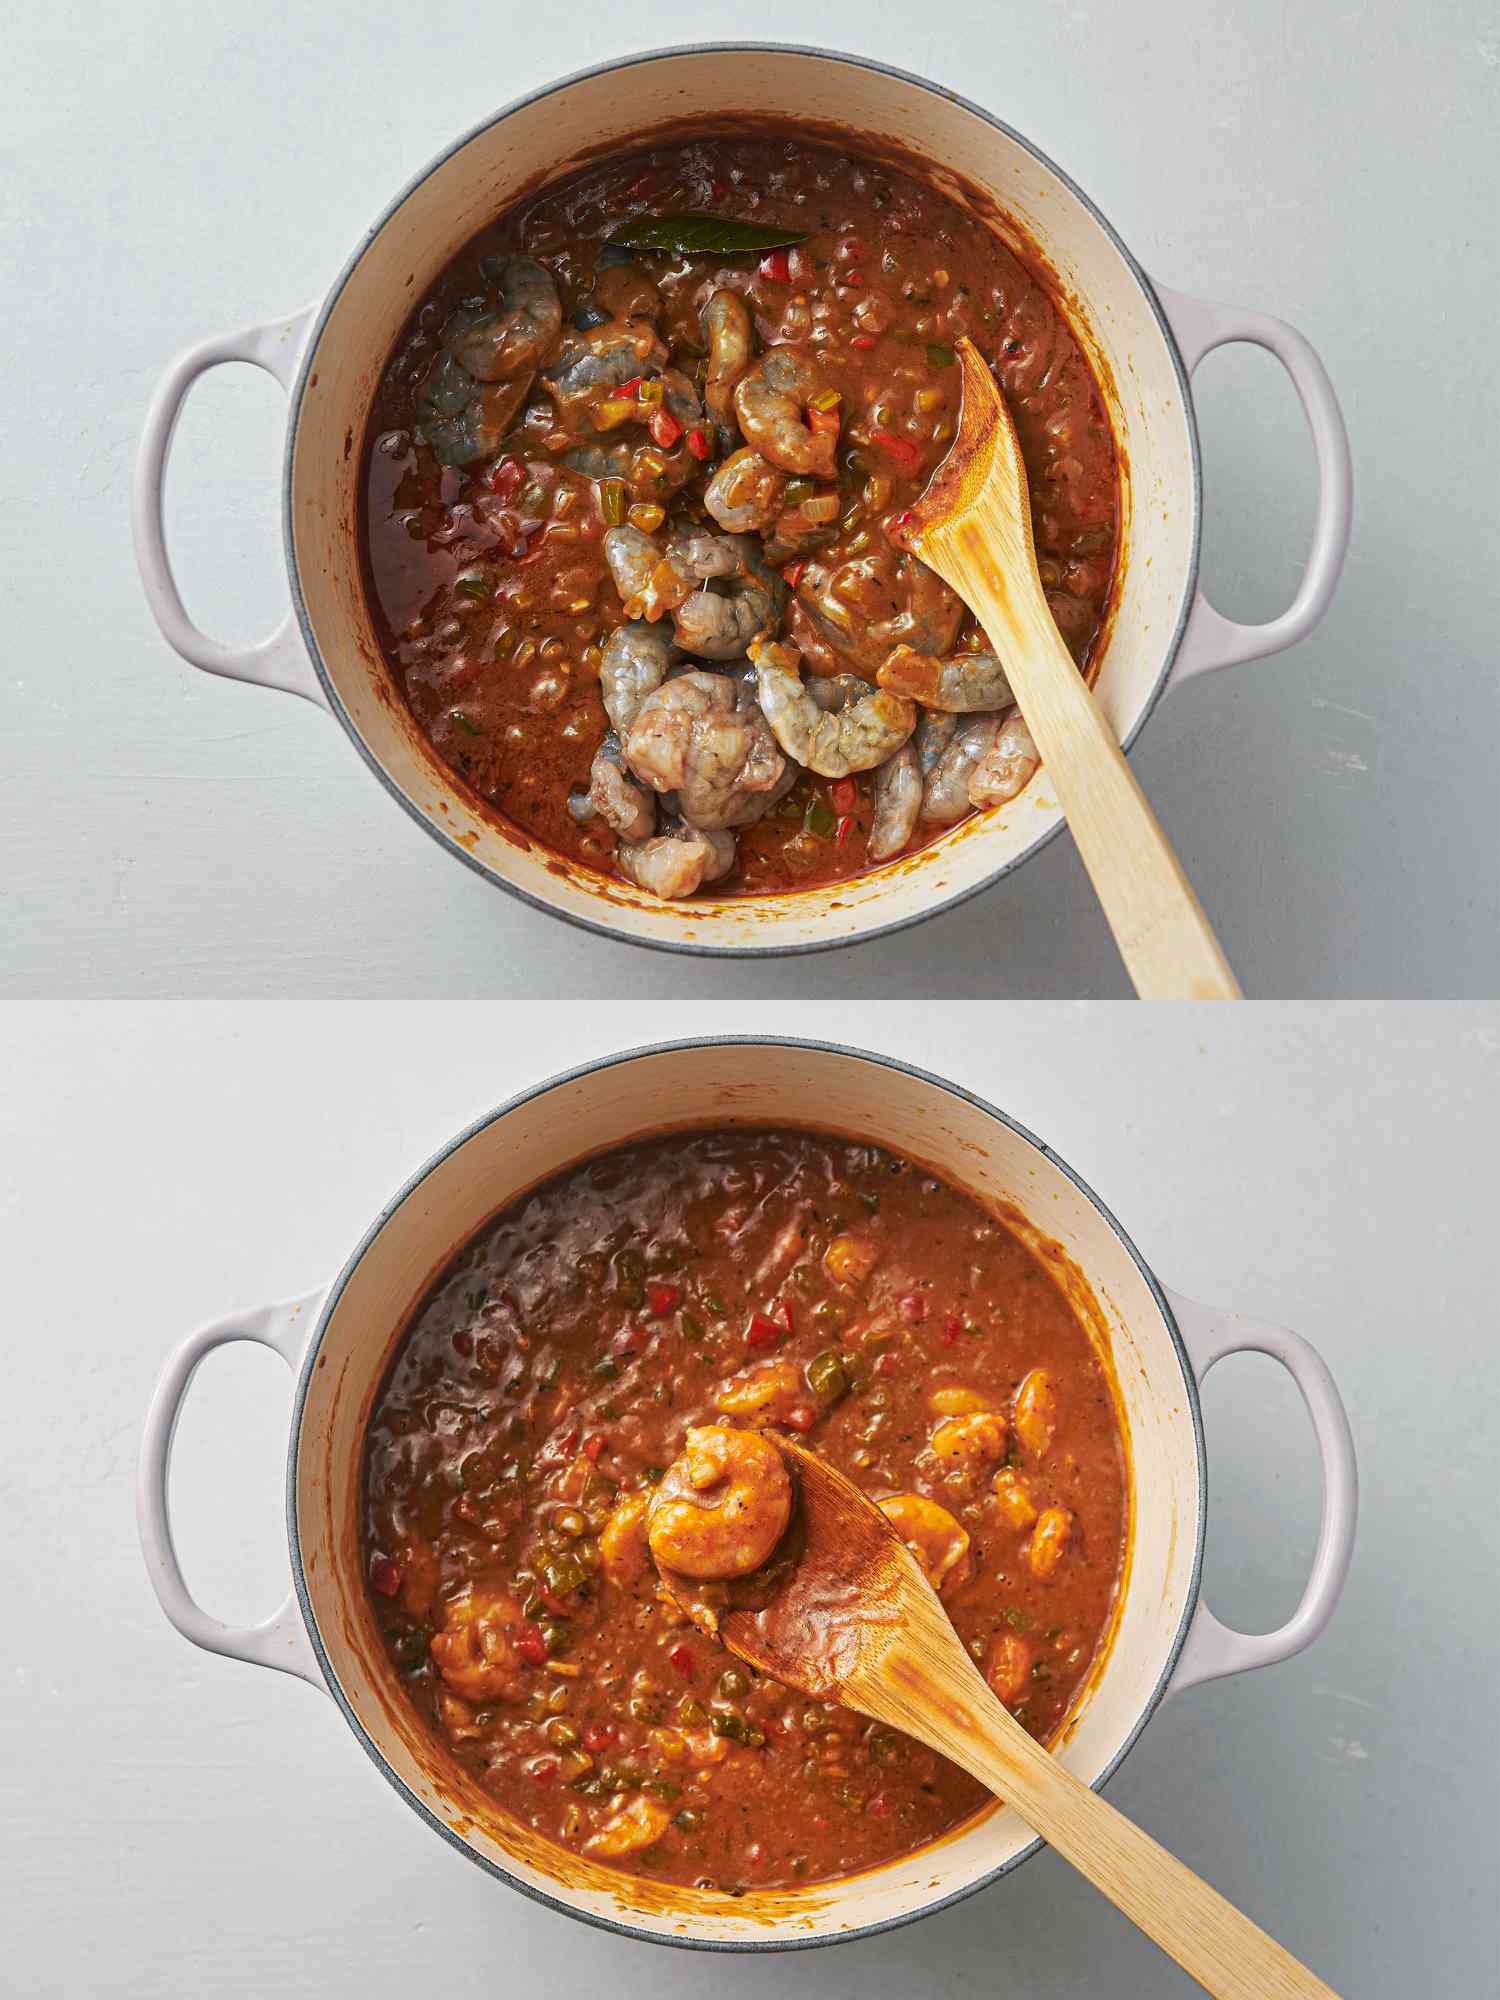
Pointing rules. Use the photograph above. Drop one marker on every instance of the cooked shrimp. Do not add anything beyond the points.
(1035, 1412)
(849, 1260)
(1007, 1665)
(698, 736)
(869, 604)
(613, 796)
(638, 1825)
(1014, 1499)
(745, 494)
(1007, 767)
(959, 685)
(770, 402)
(857, 739)
(636, 660)
(622, 1541)
(1048, 1540)
(722, 1506)
(945, 795)
(934, 1537)
(475, 1652)
(898, 799)
(727, 330)
(674, 864)
(512, 338)
(967, 1444)
(768, 1393)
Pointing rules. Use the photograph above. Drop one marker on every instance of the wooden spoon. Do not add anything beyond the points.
(843, 1612)
(973, 526)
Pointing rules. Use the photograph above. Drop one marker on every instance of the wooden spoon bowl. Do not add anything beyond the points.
(843, 1612)
(973, 526)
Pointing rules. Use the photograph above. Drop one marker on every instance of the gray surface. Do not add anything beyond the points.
(173, 170)
(172, 1824)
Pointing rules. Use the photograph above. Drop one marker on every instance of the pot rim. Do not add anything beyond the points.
(600, 926)
(619, 1926)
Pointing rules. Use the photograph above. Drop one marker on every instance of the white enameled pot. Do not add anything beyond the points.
(340, 1340)
(1145, 343)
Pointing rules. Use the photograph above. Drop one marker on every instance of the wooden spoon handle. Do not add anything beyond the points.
(1167, 943)
(937, 1696)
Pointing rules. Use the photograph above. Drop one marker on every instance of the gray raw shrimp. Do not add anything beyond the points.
(897, 795)
(605, 357)
(934, 732)
(674, 864)
(869, 604)
(659, 577)
(722, 626)
(745, 494)
(614, 796)
(857, 737)
(962, 684)
(1007, 767)
(487, 362)
(695, 736)
(460, 419)
(730, 337)
(945, 794)
(636, 660)
(511, 338)
(770, 402)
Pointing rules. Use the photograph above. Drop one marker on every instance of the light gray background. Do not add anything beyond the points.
(175, 169)
(173, 1824)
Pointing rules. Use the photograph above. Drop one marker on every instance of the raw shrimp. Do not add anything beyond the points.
(636, 660)
(1007, 767)
(945, 795)
(898, 800)
(613, 795)
(723, 626)
(745, 494)
(461, 419)
(727, 330)
(722, 1506)
(512, 338)
(856, 738)
(674, 864)
(698, 736)
(770, 402)
(868, 605)
(960, 685)
(652, 577)
(934, 732)
(604, 358)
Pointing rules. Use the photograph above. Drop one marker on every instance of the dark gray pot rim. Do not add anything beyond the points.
(310, 1362)
(595, 925)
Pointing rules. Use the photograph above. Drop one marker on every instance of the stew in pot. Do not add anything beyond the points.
(719, 1284)
(634, 487)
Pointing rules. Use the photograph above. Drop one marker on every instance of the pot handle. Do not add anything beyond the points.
(1212, 640)
(280, 661)
(1213, 1649)
(282, 1642)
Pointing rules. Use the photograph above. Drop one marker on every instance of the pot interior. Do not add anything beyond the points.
(753, 1083)
(928, 134)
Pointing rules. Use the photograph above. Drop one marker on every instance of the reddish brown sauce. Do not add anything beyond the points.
(749, 1279)
(488, 577)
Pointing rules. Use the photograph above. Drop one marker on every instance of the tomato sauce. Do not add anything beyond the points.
(751, 1279)
(487, 506)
